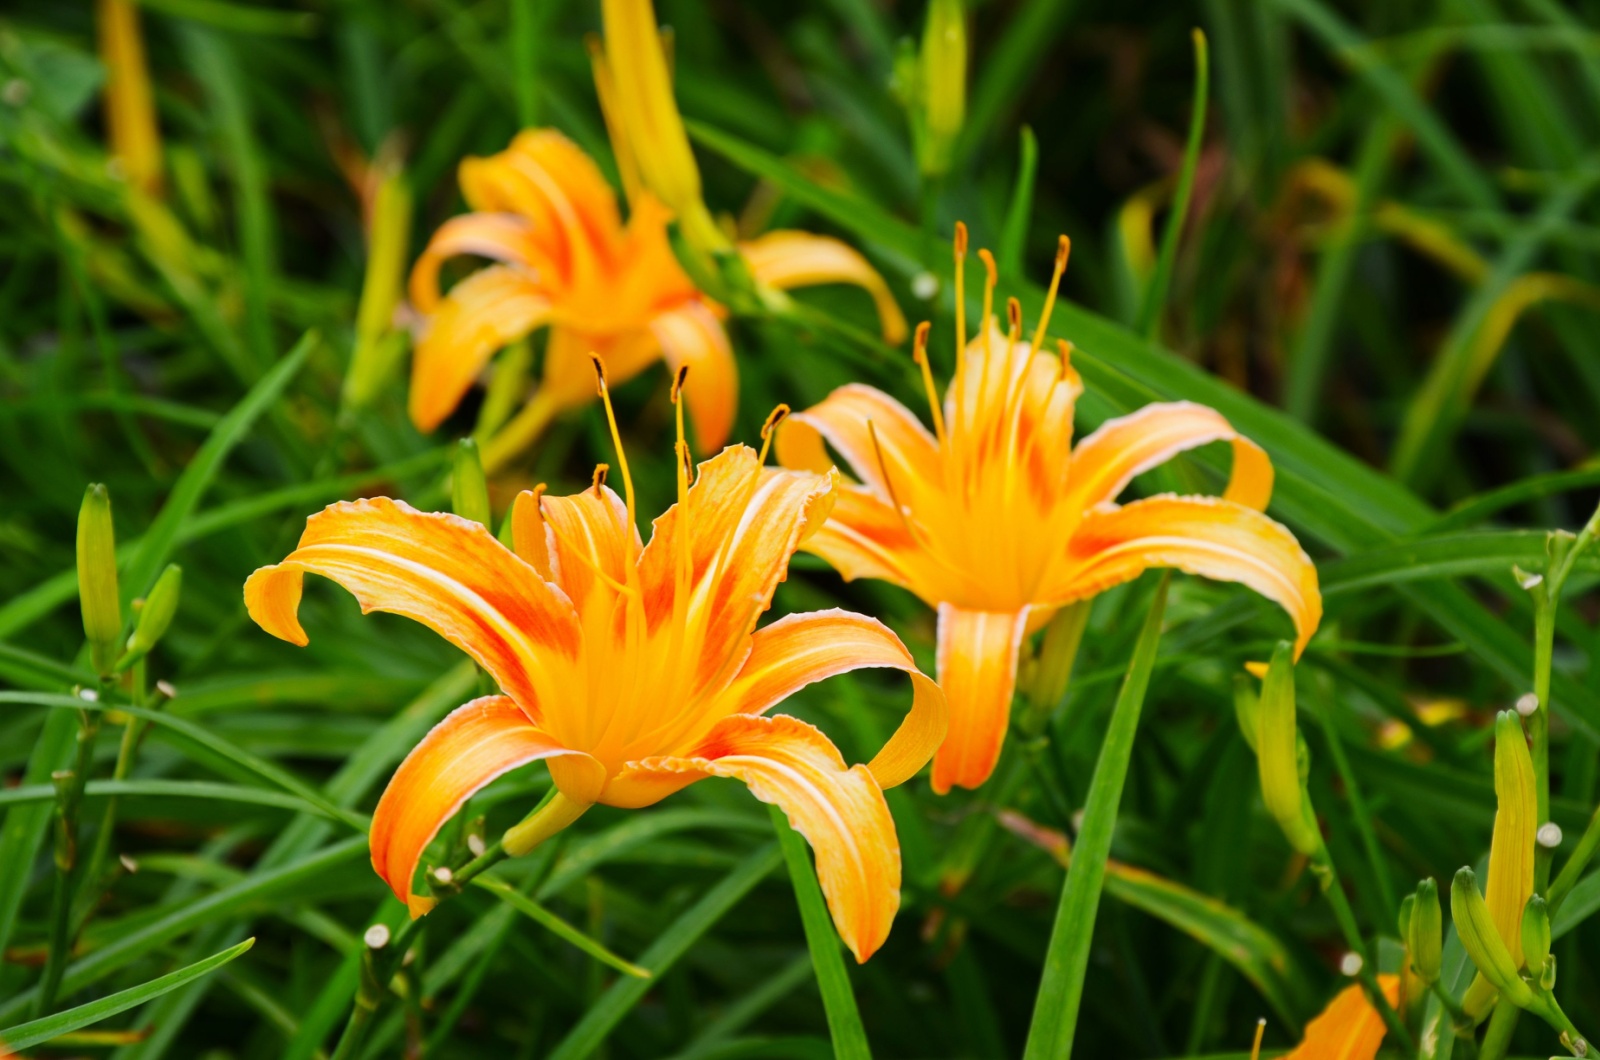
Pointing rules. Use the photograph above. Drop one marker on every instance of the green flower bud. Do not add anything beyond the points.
(1246, 707)
(1427, 929)
(1278, 751)
(1482, 942)
(469, 490)
(1407, 905)
(97, 578)
(1535, 933)
(389, 230)
(1547, 974)
(155, 616)
(942, 81)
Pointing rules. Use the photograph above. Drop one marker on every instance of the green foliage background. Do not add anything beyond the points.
(1376, 184)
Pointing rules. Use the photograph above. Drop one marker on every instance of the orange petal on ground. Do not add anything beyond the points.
(691, 335)
(1349, 1028)
(798, 650)
(446, 572)
(840, 421)
(978, 672)
(787, 259)
(1107, 460)
(501, 237)
(840, 810)
(473, 745)
(1207, 536)
(481, 314)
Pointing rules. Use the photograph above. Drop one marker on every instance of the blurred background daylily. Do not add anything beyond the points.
(631, 670)
(988, 521)
(565, 261)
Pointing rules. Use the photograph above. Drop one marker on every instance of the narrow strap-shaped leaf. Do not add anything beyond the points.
(201, 737)
(671, 944)
(155, 548)
(1155, 295)
(827, 956)
(558, 927)
(256, 887)
(25, 1035)
(164, 789)
(1066, 963)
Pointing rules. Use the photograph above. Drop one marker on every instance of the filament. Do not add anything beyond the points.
(1063, 252)
(616, 437)
(919, 353)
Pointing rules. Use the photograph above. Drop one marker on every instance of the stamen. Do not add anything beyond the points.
(961, 306)
(888, 482)
(616, 436)
(919, 353)
(775, 417)
(681, 446)
(1261, 1029)
(990, 280)
(1063, 252)
(589, 558)
(599, 479)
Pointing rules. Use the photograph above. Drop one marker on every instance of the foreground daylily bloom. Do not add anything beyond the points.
(996, 520)
(565, 261)
(1349, 1028)
(633, 670)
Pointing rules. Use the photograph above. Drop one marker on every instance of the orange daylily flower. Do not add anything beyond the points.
(996, 520)
(565, 260)
(633, 670)
(1349, 1028)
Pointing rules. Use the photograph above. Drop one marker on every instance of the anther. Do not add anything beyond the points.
(1014, 316)
(961, 240)
(600, 473)
(919, 354)
(678, 381)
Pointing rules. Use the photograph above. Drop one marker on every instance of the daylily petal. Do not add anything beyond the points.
(1107, 460)
(692, 335)
(502, 237)
(446, 572)
(1208, 536)
(799, 259)
(840, 810)
(473, 745)
(978, 672)
(799, 650)
(548, 179)
(743, 524)
(589, 533)
(481, 314)
(864, 538)
(841, 420)
(1349, 1028)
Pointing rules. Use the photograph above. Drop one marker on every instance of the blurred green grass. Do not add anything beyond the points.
(1340, 322)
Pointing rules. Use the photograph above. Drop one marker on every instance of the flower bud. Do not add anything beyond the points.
(941, 103)
(1535, 933)
(1278, 752)
(1511, 847)
(155, 616)
(1482, 940)
(1246, 708)
(1427, 928)
(633, 74)
(388, 233)
(97, 578)
(1407, 905)
(469, 489)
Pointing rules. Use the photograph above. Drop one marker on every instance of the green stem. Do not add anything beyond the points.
(1055, 1011)
(1497, 1039)
(69, 798)
(1461, 1023)
(89, 886)
(1573, 869)
(1544, 633)
(1328, 878)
